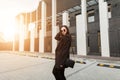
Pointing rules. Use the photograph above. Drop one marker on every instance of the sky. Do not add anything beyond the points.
(9, 9)
(17, 6)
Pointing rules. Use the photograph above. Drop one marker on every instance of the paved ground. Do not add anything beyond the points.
(19, 67)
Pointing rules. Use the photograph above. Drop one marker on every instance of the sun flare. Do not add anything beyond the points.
(8, 11)
(7, 27)
(9, 34)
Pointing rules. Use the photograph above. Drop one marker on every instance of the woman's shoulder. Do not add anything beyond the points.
(68, 37)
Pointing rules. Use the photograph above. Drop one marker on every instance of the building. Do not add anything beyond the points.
(94, 25)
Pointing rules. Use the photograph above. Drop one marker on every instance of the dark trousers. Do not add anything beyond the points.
(59, 73)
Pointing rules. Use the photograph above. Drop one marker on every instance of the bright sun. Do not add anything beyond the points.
(8, 10)
(9, 34)
(7, 27)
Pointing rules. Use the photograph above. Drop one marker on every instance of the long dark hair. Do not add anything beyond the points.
(68, 32)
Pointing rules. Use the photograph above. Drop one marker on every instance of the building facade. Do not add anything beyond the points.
(94, 26)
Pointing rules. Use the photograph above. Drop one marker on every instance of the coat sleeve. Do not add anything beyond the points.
(58, 36)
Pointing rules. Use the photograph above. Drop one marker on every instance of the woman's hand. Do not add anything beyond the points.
(63, 31)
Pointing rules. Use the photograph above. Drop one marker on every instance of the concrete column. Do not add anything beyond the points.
(54, 27)
(36, 29)
(81, 28)
(43, 27)
(26, 26)
(32, 36)
(21, 33)
(13, 45)
(65, 18)
(104, 25)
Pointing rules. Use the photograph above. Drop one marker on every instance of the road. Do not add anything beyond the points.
(16, 67)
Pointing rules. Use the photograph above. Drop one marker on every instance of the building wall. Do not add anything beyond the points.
(94, 46)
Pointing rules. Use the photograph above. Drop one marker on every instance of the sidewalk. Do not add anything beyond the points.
(77, 58)
(31, 66)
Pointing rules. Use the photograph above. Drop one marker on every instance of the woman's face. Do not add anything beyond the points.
(63, 31)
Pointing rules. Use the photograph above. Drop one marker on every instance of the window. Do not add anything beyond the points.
(109, 15)
(109, 11)
(91, 16)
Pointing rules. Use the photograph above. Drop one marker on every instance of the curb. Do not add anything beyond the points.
(48, 58)
(81, 62)
(25, 54)
(109, 66)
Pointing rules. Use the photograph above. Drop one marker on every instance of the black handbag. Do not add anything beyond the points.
(69, 62)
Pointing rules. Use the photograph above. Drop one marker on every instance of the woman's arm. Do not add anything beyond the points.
(58, 36)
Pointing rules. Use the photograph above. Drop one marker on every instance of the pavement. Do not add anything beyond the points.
(34, 66)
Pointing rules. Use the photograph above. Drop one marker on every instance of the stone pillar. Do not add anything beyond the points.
(54, 27)
(65, 18)
(21, 34)
(104, 26)
(81, 29)
(26, 26)
(32, 36)
(43, 27)
(37, 20)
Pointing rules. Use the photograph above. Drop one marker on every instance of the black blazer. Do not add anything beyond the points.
(62, 49)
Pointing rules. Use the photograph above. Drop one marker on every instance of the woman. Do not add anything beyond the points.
(61, 52)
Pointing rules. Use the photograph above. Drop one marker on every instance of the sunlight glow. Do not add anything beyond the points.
(7, 27)
(31, 26)
(9, 34)
(8, 10)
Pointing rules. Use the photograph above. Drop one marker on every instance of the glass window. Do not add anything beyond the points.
(109, 11)
(109, 15)
(91, 18)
